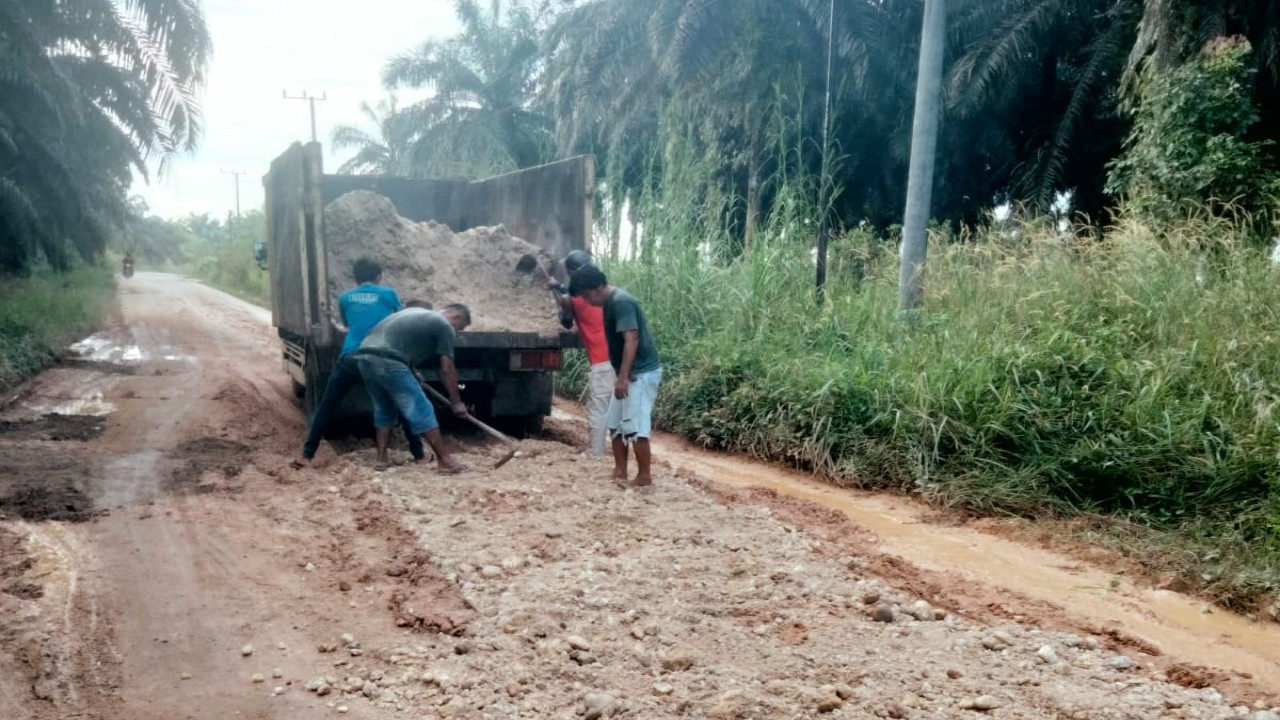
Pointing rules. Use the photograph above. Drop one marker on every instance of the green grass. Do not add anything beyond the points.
(1122, 376)
(232, 269)
(41, 314)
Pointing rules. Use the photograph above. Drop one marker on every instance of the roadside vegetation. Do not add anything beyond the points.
(42, 313)
(217, 251)
(223, 258)
(1118, 376)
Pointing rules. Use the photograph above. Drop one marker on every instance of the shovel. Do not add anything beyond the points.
(510, 442)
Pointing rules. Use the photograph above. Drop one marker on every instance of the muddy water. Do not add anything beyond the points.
(1174, 623)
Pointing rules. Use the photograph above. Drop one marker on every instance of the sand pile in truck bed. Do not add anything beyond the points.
(429, 261)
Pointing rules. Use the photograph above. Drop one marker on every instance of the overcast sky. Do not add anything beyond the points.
(262, 47)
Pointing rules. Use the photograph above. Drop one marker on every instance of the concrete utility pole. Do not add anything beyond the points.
(236, 174)
(311, 100)
(924, 145)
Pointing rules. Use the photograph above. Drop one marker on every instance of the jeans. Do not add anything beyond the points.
(345, 375)
(395, 393)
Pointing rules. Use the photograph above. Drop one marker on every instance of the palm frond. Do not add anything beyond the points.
(990, 69)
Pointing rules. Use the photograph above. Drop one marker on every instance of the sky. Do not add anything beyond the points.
(264, 47)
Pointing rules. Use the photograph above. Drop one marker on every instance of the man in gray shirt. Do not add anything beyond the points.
(635, 358)
(386, 360)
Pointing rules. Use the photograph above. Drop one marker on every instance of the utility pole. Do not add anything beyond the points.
(311, 100)
(924, 146)
(820, 284)
(236, 174)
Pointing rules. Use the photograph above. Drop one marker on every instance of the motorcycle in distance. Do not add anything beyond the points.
(127, 269)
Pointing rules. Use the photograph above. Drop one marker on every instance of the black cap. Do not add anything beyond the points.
(577, 260)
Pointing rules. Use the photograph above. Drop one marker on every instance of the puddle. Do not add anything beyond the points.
(100, 347)
(107, 347)
(1174, 623)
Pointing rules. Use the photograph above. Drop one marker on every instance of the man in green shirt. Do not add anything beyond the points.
(386, 360)
(635, 358)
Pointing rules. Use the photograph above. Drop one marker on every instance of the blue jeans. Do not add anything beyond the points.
(345, 375)
(395, 392)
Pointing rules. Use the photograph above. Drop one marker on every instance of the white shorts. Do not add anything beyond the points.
(600, 391)
(633, 417)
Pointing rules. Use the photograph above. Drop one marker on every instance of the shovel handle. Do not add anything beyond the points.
(474, 421)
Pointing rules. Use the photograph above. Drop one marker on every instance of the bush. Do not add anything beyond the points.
(42, 313)
(1188, 146)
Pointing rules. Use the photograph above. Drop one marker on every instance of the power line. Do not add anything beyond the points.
(311, 101)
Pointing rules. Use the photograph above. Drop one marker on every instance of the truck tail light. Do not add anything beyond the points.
(536, 360)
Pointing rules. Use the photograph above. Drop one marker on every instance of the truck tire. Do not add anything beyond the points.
(532, 424)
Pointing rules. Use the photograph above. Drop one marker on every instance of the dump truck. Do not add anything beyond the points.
(506, 376)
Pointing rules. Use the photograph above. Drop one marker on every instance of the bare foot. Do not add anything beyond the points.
(300, 463)
(642, 481)
(381, 465)
(453, 468)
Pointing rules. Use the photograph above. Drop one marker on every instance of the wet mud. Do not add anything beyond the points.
(54, 428)
(45, 481)
(206, 465)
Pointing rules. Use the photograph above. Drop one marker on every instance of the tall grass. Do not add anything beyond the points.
(1135, 375)
(42, 313)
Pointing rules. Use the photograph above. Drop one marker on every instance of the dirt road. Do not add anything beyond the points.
(158, 559)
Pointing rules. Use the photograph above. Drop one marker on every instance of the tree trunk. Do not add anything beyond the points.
(924, 144)
(635, 235)
(617, 202)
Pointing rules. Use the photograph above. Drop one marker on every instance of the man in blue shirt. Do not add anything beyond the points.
(360, 309)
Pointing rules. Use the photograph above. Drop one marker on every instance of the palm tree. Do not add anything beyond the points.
(389, 151)
(622, 76)
(483, 115)
(87, 91)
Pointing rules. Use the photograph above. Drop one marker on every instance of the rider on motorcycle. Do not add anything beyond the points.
(127, 265)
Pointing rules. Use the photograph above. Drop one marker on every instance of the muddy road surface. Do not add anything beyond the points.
(159, 559)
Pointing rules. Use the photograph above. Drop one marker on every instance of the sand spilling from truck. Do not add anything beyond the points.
(429, 261)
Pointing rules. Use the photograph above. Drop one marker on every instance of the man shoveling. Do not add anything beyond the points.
(386, 360)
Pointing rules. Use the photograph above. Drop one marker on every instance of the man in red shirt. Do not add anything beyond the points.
(590, 322)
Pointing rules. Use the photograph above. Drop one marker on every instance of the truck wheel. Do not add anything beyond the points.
(518, 425)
